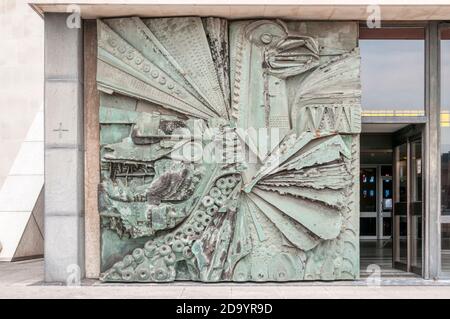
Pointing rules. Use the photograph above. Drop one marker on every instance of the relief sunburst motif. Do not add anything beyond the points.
(229, 151)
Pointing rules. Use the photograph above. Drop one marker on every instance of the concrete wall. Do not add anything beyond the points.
(64, 149)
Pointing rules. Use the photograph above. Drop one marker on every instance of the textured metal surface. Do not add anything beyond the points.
(274, 111)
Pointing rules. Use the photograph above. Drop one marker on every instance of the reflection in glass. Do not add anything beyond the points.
(368, 226)
(402, 167)
(403, 239)
(392, 75)
(386, 170)
(445, 123)
(416, 170)
(416, 203)
(387, 195)
(445, 148)
(387, 226)
(368, 190)
(387, 199)
(445, 248)
(416, 241)
(401, 211)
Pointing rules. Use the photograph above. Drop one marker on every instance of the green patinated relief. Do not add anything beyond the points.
(229, 150)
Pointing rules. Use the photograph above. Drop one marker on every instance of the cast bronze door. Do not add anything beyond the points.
(229, 150)
(408, 207)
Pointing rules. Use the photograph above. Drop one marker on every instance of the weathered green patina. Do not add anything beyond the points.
(229, 151)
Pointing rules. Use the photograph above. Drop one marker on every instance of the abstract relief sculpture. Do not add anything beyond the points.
(229, 151)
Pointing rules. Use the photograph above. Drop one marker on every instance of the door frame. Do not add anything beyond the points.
(408, 135)
(376, 212)
(379, 214)
(382, 215)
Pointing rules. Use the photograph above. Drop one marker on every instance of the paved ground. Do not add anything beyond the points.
(24, 280)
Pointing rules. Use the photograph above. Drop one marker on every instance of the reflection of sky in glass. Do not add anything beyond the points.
(392, 74)
(445, 92)
(445, 128)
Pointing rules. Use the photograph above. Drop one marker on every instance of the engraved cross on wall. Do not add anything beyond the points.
(60, 130)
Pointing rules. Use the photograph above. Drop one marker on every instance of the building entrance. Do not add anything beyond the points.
(376, 201)
(408, 203)
(391, 200)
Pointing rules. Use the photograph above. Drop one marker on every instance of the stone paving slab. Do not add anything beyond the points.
(24, 280)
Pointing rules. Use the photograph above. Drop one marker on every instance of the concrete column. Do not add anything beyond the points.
(432, 155)
(64, 149)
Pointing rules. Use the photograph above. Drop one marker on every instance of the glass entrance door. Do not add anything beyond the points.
(408, 207)
(400, 229)
(375, 202)
(368, 202)
(416, 209)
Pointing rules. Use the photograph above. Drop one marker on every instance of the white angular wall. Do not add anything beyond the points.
(21, 130)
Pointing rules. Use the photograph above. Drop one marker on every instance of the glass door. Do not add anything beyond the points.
(416, 206)
(368, 202)
(408, 207)
(400, 229)
(386, 203)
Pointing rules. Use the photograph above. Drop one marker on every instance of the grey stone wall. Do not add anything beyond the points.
(64, 149)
